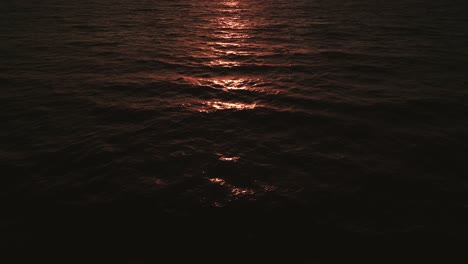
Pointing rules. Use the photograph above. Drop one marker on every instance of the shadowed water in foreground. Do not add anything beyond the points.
(233, 131)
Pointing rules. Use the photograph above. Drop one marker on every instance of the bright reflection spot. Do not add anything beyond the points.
(242, 191)
(236, 191)
(229, 32)
(231, 84)
(230, 3)
(231, 35)
(234, 159)
(225, 63)
(218, 181)
(212, 106)
(219, 105)
(231, 23)
(225, 44)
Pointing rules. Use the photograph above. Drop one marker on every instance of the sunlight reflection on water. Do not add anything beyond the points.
(236, 191)
(226, 158)
(229, 35)
(215, 105)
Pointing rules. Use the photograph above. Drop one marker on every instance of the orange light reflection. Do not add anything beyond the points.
(234, 159)
(229, 37)
(219, 105)
(236, 191)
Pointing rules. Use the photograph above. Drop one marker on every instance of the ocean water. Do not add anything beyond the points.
(353, 110)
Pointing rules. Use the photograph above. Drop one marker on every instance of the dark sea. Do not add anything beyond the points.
(305, 131)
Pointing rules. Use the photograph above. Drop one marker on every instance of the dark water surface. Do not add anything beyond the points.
(346, 119)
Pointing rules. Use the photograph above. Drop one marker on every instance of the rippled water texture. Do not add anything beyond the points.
(208, 103)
